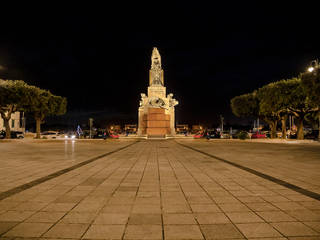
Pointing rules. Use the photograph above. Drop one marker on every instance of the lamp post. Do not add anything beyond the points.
(314, 69)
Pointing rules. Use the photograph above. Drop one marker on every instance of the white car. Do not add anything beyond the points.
(51, 135)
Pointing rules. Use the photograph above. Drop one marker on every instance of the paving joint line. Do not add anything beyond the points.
(40, 180)
(219, 205)
(112, 194)
(259, 174)
(209, 196)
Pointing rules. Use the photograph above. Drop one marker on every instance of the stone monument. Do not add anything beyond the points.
(156, 111)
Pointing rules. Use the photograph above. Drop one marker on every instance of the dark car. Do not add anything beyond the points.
(100, 134)
(14, 134)
(292, 135)
(212, 134)
(2, 134)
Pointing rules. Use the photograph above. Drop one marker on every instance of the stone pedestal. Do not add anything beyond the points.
(156, 111)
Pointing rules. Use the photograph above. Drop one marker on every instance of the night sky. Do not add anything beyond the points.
(99, 56)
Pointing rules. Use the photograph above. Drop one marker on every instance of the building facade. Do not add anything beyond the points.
(156, 115)
(17, 122)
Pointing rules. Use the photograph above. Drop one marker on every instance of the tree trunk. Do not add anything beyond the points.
(38, 127)
(6, 124)
(273, 128)
(319, 126)
(284, 126)
(300, 134)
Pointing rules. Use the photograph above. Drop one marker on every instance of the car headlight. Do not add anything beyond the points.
(73, 136)
(65, 136)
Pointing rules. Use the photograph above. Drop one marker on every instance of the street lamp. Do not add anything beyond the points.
(314, 69)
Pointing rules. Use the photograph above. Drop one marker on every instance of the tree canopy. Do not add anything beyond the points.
(13, 95)
(42, 103)
(245, 105)
(19, 96)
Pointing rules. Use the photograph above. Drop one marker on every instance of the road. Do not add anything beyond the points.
(159, 189)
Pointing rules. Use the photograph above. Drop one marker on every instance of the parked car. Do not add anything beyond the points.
(112, 135)
(292, 135)
(70, 135)
(14, 134)
(51, 134)
(100, 134)
(105, 134)
(199, 135)
(258, 135)
(225, 135)
(2, 134)
(18, 134)
(234, 134)
(212, 134)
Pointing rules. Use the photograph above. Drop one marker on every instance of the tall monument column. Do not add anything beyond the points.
(156, 110)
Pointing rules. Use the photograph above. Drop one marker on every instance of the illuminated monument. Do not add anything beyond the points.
(156, 111)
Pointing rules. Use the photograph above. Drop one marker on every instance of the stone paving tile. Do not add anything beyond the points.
(276, 216)
(143, 232)
(68, 199)
(244, 217)
(262, 207)
(234, 207)
(78, 217)
(176, 208)
(64, 230)
(30, 206)
(59, 207)
(178, 218)
(304, 215)
(111, 218)
(145, 219)
(277, 238)
(205, 208)
(257, 230)
(182, 232)
(288, 206)
(15, 216)
(314, 225)
(303, 238)
(28, 230)
(5, 226)
(104, 232)
(45, 217)
(144, 208)
(117, 208)
(294, 229)
(221, 231)
(211, 218)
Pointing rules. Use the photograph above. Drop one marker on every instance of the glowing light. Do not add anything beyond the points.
(310, 69)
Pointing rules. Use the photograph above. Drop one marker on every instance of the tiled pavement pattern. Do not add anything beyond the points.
(161, 190)
(25, 160)
(298, 164)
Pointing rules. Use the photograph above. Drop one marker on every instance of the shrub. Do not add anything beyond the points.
(243, 135)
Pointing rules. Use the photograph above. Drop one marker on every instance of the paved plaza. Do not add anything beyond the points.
(159, 189)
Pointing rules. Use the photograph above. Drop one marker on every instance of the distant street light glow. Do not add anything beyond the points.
(310, 69)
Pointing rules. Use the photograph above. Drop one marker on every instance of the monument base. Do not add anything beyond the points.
(157, 123)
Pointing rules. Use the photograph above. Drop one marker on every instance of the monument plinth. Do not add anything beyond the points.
(156, 111)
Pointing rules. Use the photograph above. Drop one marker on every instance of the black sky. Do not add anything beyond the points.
(99, 56)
